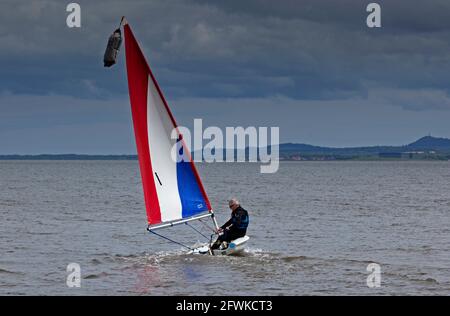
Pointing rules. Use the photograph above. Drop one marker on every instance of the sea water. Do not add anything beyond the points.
(314, 228)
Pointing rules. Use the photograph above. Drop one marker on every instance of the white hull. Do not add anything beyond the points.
(234, 247)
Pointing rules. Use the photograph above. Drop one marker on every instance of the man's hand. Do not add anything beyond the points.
(219, 230)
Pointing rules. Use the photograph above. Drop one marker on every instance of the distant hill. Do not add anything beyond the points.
(430, 143)
(427, 147)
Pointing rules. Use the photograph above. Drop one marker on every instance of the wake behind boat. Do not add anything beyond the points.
(173, 191)
(235, 247)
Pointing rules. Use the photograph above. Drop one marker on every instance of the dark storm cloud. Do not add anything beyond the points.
(300, 49)
(413, 16)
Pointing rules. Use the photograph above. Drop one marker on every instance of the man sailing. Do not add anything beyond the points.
(235, 227)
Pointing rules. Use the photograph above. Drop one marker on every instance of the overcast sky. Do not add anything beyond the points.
(311, 67)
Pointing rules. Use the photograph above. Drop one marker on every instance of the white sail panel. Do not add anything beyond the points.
(164, 167)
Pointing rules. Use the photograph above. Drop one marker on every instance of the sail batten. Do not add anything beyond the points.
(172, 187)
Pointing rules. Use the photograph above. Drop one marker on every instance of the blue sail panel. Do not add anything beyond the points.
(192, 199)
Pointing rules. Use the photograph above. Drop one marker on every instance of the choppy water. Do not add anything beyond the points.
(315, 226)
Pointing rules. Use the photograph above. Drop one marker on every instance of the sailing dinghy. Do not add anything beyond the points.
(173, 191)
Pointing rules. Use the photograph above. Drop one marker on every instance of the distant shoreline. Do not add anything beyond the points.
(425, 148)
(329, 158)
(68, 157)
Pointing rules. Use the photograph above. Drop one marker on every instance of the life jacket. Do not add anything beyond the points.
(241, 219)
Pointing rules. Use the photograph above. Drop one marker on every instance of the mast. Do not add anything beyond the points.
(213, 217)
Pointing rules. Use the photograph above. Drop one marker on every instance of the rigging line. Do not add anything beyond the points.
(171, 240)
(197, 230)
(207, 226)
